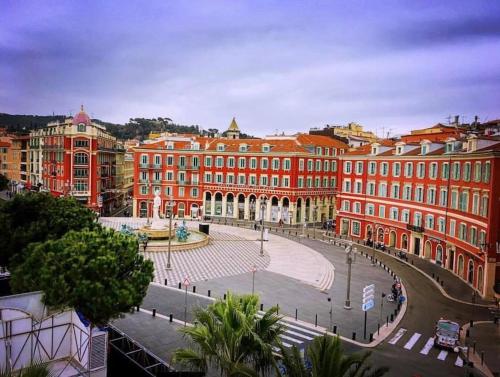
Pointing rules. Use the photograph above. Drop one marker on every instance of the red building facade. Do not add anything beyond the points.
(79, 159)
(229, 177)
(437, 200)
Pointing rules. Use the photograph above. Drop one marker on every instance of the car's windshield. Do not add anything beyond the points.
(449, 329)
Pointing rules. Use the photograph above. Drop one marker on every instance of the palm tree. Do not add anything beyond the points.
(229, 336)
(328, 359)
(35, 369)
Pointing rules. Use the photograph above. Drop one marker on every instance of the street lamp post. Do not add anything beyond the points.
(262, 209)
(170, 206)
(254, 270)
(331, 313)
(315, 214)
(349, 255)
(148, 184)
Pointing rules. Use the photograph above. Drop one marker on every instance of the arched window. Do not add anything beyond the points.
(439, 254)
(404, 241)
(470, 272)
(480, 279)
(81, 159)
(460, 270)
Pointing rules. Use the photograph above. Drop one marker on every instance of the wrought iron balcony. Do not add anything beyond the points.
(415, 228)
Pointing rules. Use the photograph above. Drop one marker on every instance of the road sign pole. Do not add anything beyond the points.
(364, 331)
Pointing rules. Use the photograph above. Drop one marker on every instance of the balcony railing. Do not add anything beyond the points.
(415, 228)
(143, 166)
(188, 167)
(183, 182)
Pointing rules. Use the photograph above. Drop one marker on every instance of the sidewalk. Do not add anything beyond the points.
(483, 341)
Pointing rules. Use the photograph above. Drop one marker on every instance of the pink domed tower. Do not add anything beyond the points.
(82, 117)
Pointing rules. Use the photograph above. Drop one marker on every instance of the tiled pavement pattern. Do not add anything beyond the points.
(225, 255)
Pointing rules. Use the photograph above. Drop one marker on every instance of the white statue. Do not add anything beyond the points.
(157, 222)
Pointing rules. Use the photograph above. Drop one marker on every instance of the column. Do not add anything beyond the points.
(212, 203)
(292, 213)
(257, 209)
(134, 208)
(280, 209)
(224, 204)
(303, 212)
(247, 208)
(268, 210)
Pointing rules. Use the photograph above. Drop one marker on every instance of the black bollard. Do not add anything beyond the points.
(335, 329)
(296, 312)
(166, 281)
(277, 308)
(482, 357)
(180, 285)
(467, 333)
(209, 293)
(194, 288)
(171, 318)
(371, 337)
(412, 262)
(137, 307)
(471, 323)
(433, 275)
(387, 321)
(437, 279)
(154, 312)
(316, 321)
(378, 328)
(261, 307)
(353, 336)
(392, 318)
(442, 283)
(224, 297)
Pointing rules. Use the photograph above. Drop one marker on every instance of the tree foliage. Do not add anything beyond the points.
(230, 337)
(99, 273)
(328, 359)
(37, 217)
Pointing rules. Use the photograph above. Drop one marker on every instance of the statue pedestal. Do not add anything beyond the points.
(158, 224)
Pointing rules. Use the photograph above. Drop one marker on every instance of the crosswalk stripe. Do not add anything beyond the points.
(409, 345)
(299, 335)
(287, 345)
(428, 346)
(302, 329)
(398, 336)
(459, 362)
(293, 340)
(442, 355)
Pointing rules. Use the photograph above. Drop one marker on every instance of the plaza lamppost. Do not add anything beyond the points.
(263, 205)
(254, 270)
(349, 256)
(315, 214)
(170, 211)
(149, 185)
(331, 313)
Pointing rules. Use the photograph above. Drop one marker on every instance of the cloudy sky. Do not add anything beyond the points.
(274, 65)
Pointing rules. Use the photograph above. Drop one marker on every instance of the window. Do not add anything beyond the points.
(82, 159)
(358, 187)
(196, 161)
(347, 167)
(477, 172)
(243, 148)
(318, 165)
(454, 199)
(230, 162)
(144, 190)
(359, 167)
(83, 173)
(287, 164)
(395, 191)
(242, 179)
(419, 194)
(431, 195)
(417, 219)
(455, 173)
(285, 182)
(372, 167)
(169, 176)
(181, 192)
(421, 170)
(79, 143)
(310, 165)
(81, 128)
(424, 149)
(220, 147)
(194, 192)
(409, 169)
(443, 197)
(219, 162)
(484, 206)
(230, 179)
(355, 228)
(276, 164)
(433, 170)
(346, 206)
(482, 238)
(301, 164)
(405, 216)
(208, 161)
(429, 222)
(275, 181)
(242, 161)
(384, 169)
(170, 160)
(407, 192)
(462, 232)
(317, 182)
(445, 172)
(453, 225)
(396, 169)
(475, 203)
(252, 180)
(473, 236)
(81, 185)
(347, 185)
(357, 207)
(219, 178)
(326, 165)
(265, 148)
(309, 183)
(464, 201)
(370, 209)
(168, 190)
(264, 163)
(300, 182)
(394, 213)
(381, 211)
(466, 172)
(382, 190)
(441, 225)
(208, 177)
(263, 180)
(371, 188)
(333, 167)
(486, 172)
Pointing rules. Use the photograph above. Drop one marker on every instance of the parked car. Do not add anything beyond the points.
(447, 334)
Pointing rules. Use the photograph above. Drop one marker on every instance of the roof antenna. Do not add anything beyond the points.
(448, 118)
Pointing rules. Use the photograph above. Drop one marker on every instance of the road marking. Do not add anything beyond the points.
(398, 336)
(302, 329)
(287, 345)
(290, 339)
(299, 335)
(409, 345)
(428, 346)
(459, 362)
(442, 355)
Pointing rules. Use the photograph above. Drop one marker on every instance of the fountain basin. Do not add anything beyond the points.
(196, 239)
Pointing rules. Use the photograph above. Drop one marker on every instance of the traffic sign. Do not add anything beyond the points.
(186, 282)
(368, 305)
(368, 287)
(368, 298)
(99, 201)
